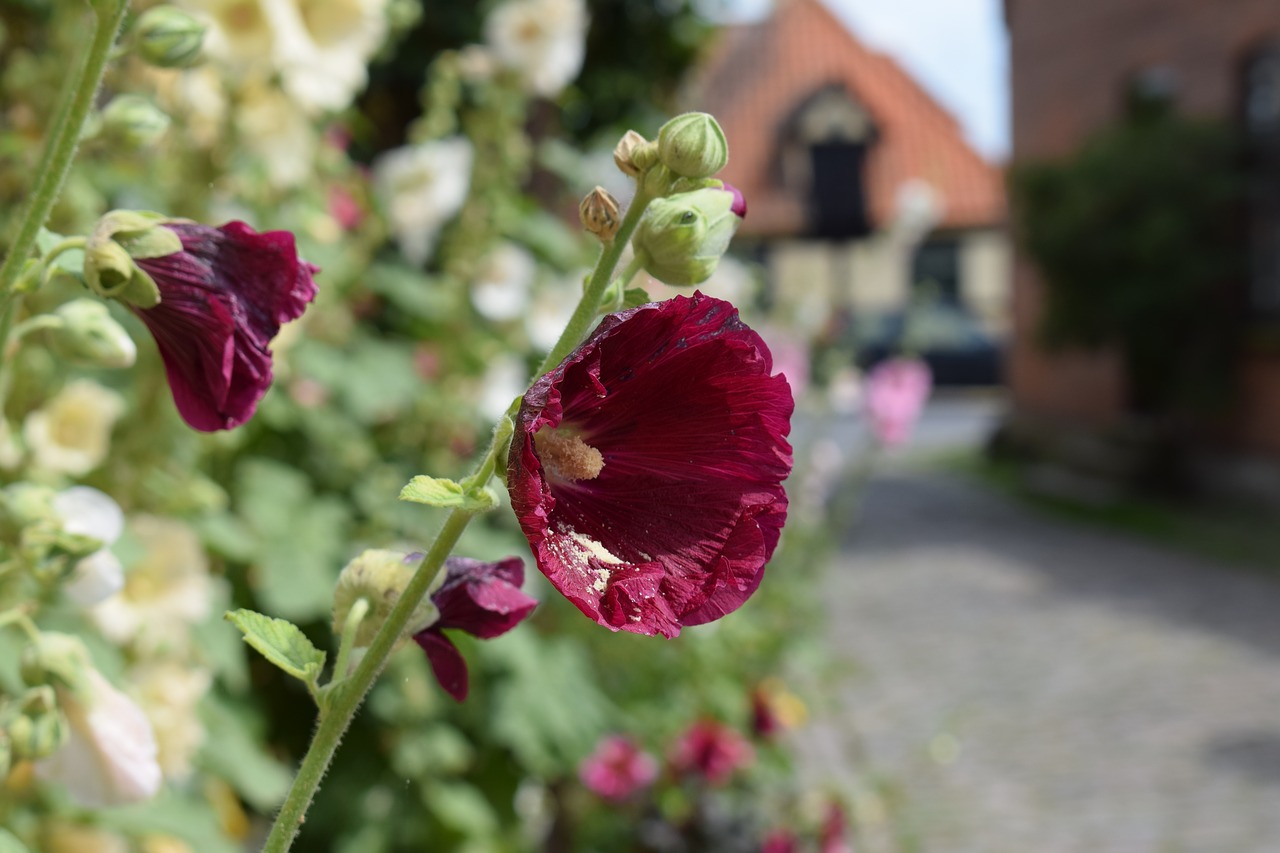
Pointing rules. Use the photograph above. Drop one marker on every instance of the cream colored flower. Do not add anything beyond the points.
(72, 432)
(552, 306)
(543, 40)
(277, 132)
(240, 38)
(501, 289)
(422, 187)
(195, 96)
(165, 592)
(63, 837)
(169, 693)
(323, 47)
(110, 754)
(505, 379)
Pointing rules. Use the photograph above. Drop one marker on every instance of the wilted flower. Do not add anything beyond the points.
(213, 301)
(896, 391)
(166, 592)
(501, 288)
(482, 599)
(169, 693)
(88, 512)
(646, 470)
(110, 755)
(542, 40)
(71, 433)
(422, 187)
(711, 750)
(617, 768)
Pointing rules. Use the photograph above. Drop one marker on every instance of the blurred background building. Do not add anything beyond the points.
(861, 186)
(1082, 69)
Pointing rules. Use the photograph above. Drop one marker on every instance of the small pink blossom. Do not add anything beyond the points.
(896, 391)
(780, 841)
(617, 769)
(344, 208)
(711, 750)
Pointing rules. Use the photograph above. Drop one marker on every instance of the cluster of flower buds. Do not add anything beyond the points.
(688, 225)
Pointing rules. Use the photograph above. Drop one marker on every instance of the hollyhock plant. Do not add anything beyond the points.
(896, 391)
(711, 750)
(646, 469)
(483, 599)
(617, 768)
(213, 299)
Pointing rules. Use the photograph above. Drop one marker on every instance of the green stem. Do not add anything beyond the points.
(347, 695)
(350, 630)
(64, 139)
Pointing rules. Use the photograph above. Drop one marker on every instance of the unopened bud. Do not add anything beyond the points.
(681, 238)
(116, 240)
(88, 335)
(55, 660)
(379, 577)
(633, 153)
(169, 37)
(693, 146)
(600, 214)
(134, 120)
(26, 504)
(39, 730)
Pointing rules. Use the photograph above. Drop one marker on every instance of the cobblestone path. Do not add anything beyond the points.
(1029, 686)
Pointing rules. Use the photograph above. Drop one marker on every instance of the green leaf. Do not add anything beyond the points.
(434, 491)
(280, 642)
(461, 807)
(10, 844)
(634, 297)
(71, 261)
(231, 752)
(188, 818)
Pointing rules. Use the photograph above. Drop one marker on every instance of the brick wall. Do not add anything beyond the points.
(1071, 63)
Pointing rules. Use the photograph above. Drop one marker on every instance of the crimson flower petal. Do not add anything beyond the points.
(711, 750)
(483, 599)
(646, 470)
(222, 300)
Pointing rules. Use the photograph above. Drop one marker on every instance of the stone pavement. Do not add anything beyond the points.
(1029, 686)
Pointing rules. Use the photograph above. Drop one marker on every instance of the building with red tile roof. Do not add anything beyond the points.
(824, 136)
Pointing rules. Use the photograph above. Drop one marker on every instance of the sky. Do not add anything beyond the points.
(956, 49)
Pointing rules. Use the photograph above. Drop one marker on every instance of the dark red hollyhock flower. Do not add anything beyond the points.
(646, 470)
(483, 599)
(764, 719)
(617, 768)
(711, 750)
(835, 828)
(222, 300)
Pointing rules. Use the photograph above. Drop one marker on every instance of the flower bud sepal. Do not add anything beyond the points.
(681, 238)
(118, 239)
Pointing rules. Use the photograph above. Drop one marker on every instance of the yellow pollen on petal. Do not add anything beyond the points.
(567, 456)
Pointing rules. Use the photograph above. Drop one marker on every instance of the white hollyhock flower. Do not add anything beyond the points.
(505, 379)
(110, 754)
(165, 593)
(552, 306)
(501, 288)
(422, 187)
(71, 433)
(86, 511)
(543, 40)
(241, 37)
(323, 47)
(169, 694)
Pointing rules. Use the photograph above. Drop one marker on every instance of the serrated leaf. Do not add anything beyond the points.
(435, 491)
(280, 642)
(634, 297)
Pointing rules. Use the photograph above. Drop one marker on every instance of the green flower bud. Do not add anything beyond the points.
(55, 660)
(24, 504)
(680, 238)
(693, 146)
(39, 730)
(379, 577)
(169, 37)
(134, 120)
(88, 335)
(116, 240)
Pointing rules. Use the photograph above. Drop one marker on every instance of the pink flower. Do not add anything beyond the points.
(646, 470)
(711, 750)
(780, 841)
(482, 599)
(222, 300)
(896, 391)
(739, 206)
(617, 768)
(833, 836)
(344, 208)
